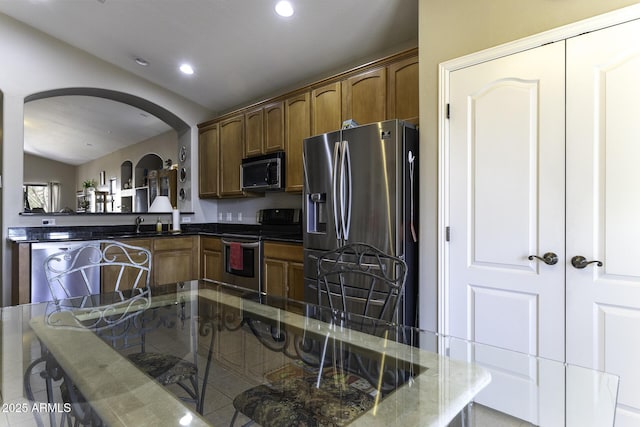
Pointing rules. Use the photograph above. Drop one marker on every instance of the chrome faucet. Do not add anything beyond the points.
(139, 219)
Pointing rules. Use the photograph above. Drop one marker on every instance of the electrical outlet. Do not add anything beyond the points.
(239, 216)
(219, 216)
(229, 216)
(186, 219)
(48, 221)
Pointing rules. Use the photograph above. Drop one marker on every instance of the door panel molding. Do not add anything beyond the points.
(611, 321)
(520, 308)
(515, 222)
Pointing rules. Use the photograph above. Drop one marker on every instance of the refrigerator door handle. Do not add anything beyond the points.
(411, 159)
(334, 188)
(345, 187)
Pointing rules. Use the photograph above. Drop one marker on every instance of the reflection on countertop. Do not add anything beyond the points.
(285, 233)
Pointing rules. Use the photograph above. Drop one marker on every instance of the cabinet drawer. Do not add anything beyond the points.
(135, 256)
(143, 243)
(211, 243)
(285, 251)
(171, 243)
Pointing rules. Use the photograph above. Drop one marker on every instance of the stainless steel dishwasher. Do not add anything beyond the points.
(75, 285)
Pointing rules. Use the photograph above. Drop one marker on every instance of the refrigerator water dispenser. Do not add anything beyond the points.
(316, 213)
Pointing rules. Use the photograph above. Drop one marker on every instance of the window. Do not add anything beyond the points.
(36, 197)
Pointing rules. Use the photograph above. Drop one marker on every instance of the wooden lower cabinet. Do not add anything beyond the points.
(211, 258)
(283, 270)
(109, 275)
(296, 281)
(20, 273)
(175, 259)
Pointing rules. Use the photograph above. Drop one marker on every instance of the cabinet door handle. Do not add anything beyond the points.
(579, 261)
(549, 258)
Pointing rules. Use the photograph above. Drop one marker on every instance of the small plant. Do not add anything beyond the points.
(89, 183)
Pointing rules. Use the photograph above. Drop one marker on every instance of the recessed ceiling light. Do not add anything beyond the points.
(284, 8)
(141, 61)
(186, 69)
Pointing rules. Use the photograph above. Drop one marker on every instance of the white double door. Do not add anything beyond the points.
(544, 158)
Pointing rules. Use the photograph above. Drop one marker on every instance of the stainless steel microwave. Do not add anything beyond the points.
(263, 173)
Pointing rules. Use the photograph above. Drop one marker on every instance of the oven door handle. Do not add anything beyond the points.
(244, 245)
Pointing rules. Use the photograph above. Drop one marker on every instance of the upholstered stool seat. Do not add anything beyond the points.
(164, 368)
(298, 402)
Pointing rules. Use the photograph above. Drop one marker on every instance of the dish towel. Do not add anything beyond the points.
(235, 257)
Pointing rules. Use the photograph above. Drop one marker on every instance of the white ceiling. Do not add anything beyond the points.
(240, 49)
(77, 129)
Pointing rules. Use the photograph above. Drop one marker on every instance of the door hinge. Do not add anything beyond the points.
(448, 111)
(447, 234)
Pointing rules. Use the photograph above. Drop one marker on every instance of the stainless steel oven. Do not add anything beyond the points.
(242, 256)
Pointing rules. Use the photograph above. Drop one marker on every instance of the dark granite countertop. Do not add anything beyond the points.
(292, 234)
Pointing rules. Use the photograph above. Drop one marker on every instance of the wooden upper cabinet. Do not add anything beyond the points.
(326, 108)
(254, 132)
(403, 88)
(264, 129)
(297, 128)
(364, 96)
(274, 127)
(383, 90)
(208, 161)
(231, 154)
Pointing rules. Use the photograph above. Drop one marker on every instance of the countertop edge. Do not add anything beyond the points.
(142, 235)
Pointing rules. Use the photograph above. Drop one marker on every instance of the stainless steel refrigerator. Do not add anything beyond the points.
(361, 186)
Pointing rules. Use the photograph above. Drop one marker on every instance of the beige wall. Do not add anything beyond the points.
(164, 145)
(40, 63)
(450, 29)
(40, 170)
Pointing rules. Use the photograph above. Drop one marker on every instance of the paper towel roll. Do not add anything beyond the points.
(175, 220)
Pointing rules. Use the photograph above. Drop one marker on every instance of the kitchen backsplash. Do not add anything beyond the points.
(244, 210)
